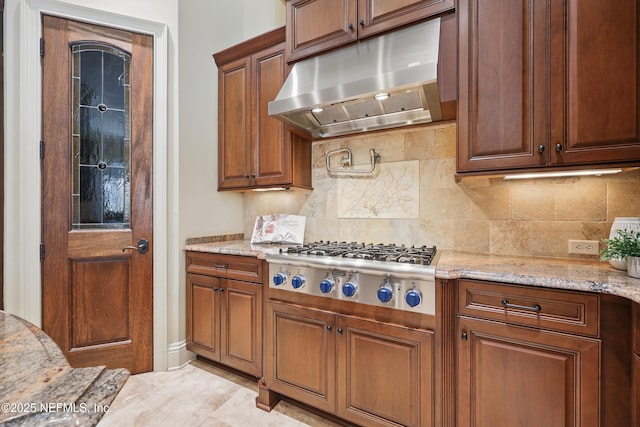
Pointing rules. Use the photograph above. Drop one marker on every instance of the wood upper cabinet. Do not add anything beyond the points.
(254, 149)
(537, 89)
(366, 372)
(315, 26)
(224, 315)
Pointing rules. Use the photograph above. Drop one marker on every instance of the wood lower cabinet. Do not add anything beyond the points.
(315, 26)
(300, 345)
(363, 371)
(224, 316)
(516, 376)
(537, 90)
(636, 365)
(256, 150)
(203, 315)
(531, 356)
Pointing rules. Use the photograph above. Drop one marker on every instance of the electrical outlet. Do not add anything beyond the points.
(584, 247)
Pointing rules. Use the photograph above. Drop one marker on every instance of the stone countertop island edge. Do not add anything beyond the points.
(590, 275)
(39, 387)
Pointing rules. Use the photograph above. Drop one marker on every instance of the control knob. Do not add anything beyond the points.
(350, 288)
(327, 285)
(413, 298)
(385, 292)
(280, 278)
(298, 281)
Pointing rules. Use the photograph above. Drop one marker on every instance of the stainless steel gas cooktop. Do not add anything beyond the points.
(386, 275)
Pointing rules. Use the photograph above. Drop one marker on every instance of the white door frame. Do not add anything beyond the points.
(22, 293)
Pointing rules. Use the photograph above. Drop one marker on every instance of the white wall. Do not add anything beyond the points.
(207, 27)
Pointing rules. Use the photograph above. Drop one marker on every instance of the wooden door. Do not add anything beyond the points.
(503, 113)
(514, 376)
(241, 326)
(375, 16)
(272, 150)
(97, 268)
(385, 374)
(314, 26)
(234, 125)
(636, 366)
(1, 156)
(301, 360)
(595, 91)
(203, 315)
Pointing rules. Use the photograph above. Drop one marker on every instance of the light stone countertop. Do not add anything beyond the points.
(38, 386)
(571, 274)
(235, 247)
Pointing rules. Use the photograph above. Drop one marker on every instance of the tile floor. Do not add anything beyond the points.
(199, 394)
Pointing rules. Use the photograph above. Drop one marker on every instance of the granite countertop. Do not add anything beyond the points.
(572, 274)
(38, 386)
(235, 247)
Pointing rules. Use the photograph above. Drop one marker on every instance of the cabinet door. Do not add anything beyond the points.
(203, 329)
(385, 374)
(314, 26)
(636, 365)
(300, 348)
(596, 110)
(234, 124)
(375, 16)
(502, 104)
(272, 149)
(241, 326)
(514, 376)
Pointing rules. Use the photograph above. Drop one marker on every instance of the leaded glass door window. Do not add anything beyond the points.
(101, 137)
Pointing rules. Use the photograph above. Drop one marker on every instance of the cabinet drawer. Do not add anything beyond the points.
(566, 311)
(229, 266)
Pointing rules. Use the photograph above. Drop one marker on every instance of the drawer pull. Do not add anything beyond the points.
(535, 307)
(225, 266)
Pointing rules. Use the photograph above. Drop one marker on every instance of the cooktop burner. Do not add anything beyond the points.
(422, 255)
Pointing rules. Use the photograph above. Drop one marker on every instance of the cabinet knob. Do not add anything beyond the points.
(329, 328)
(362, 22)
(221, 289)
(558, 147)
(541, 149)
(215, 289)
(464, 336)
(340, 331)
(351, 27)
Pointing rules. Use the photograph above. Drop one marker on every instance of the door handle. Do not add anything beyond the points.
(142, 248)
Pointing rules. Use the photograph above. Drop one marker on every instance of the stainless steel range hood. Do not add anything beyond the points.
(379, 83)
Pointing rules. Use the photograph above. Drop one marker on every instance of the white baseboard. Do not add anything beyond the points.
(178, 355)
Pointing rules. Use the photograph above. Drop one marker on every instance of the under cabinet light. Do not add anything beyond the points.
(381, 96)
(270, 189)
(593, 172)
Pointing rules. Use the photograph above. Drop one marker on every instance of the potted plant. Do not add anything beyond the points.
(624, 245)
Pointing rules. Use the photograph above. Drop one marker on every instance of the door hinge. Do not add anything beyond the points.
(41, 46)
(41, 149)
(41, 251)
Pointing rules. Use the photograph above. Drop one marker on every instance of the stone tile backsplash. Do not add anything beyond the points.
(482, 215)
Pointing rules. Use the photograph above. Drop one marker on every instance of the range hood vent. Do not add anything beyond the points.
(382, 82)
